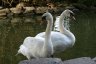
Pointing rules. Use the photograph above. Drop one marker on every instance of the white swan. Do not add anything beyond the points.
(63, 39)
(68, 15)
(38, 46)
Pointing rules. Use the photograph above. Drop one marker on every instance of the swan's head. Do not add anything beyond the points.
(68, 13)
(47, 16)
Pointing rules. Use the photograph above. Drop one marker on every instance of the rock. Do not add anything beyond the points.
(94, 59)
(15, 10)
(20, 5)
(1, 7)
(42, 61)
(28, 9)
(40, 10)
(82, 60)
(3, 12)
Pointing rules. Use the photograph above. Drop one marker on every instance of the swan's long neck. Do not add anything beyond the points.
(48, 30)
(48, 47)
(61, 23)
(63, 30)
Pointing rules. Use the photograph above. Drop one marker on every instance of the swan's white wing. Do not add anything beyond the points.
(66, 23)
(33, 41)
(34, 45)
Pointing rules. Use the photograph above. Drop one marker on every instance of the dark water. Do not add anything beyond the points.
(14, 30)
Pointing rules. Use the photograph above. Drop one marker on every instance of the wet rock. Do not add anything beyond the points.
(42, 61)
(82, 60)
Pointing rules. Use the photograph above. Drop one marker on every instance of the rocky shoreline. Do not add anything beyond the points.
(82, 60)
(20, 9)
(31, 10)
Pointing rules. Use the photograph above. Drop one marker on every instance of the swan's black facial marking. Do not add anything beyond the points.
(43, 17)
(43, 20)
(47, 16)
(72, 15)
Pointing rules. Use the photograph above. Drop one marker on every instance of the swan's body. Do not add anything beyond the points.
(63, 39)
(38, 46)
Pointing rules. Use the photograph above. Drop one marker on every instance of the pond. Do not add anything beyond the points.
(14, 30)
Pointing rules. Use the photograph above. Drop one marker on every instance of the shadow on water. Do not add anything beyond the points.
(14, 30)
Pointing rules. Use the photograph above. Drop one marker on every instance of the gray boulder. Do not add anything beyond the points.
(42, 61)
(94, 59)
(82, 60)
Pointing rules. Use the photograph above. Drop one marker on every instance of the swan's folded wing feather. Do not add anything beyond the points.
(42, 34)
(32, 42)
